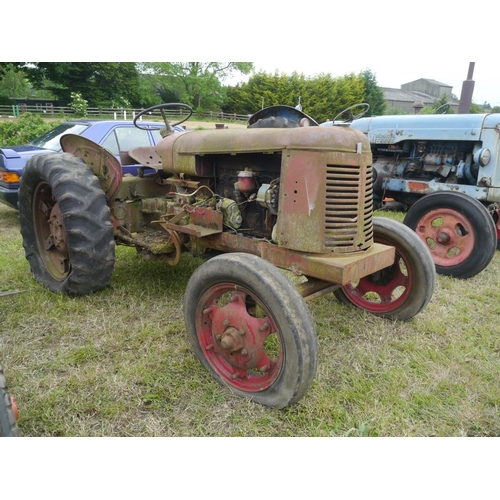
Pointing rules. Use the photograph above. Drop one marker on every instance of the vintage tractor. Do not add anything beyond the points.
(256, 202)
(444, 169)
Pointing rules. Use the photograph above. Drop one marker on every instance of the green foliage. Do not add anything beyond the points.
(374, 95)
(23, 129)
(322, 97)
(14, 83)
(199, 84)
(476, 108)
(429, 110)
(98, 82)
(78, 104)
(395, 110)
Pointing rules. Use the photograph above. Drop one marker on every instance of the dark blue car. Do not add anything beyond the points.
(115, 136)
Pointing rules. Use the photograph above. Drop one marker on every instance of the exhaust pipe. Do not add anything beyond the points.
(467, 91)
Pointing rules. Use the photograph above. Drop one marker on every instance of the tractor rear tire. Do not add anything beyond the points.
(251, 328)
(458, 230)
(8, 420)
(66, 225)
(399, 291)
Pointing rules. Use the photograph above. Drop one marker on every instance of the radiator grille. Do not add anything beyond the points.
(349, 207)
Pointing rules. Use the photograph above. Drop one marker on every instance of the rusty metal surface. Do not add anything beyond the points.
(102, 162)
(177, 154)
(326, 202)
(313, 288)
(150, 156)
(233, 141)
(335, 268)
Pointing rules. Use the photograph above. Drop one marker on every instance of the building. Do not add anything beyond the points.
(413, 96)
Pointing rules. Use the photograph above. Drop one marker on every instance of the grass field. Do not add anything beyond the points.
(118, 363)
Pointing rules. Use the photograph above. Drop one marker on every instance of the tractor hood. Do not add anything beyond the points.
(397, 128)
(177, 153)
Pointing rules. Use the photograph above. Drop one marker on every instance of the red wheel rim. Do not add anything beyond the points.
(239, 337)
(449, 236)
(386, 290)
(50, 232)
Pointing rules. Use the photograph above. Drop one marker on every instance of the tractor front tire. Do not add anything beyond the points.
(399, 291)
(66, 225)
(251, 328)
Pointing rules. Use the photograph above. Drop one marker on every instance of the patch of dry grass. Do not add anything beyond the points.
(118, 363)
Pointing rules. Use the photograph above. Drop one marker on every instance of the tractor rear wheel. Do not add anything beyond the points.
(251, 328)
(8, 417)
(399, 291)
(458, 230)
(66, 224)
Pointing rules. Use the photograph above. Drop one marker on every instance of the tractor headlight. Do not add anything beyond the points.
(483, 157)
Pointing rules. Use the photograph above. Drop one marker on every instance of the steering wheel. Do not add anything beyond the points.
(442, 110)
(162, 107)
(364, 106)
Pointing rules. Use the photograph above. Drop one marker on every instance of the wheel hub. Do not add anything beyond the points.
(57, 236)
(51, 232)
(443, 238)
(231, 340)
(448, 234)
(239, 336)
(236, 339)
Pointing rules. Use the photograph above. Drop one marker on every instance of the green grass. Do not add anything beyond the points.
(118, 362)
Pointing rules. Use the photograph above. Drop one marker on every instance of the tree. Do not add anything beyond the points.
(321, 97)
(429, 110)
(374, 95)
(100, 83)
(14, 83)
(199, 84)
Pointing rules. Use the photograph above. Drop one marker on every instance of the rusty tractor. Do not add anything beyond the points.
(254, 201)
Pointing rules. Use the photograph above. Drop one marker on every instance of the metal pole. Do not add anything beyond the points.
(467, 91)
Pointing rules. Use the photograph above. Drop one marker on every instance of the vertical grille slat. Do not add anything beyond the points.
(348, 208)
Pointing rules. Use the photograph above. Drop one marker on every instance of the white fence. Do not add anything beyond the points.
(114, 113)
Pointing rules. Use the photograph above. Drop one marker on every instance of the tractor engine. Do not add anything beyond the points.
(426, 160)
(246, 189)
(276, 185)
(418, 155)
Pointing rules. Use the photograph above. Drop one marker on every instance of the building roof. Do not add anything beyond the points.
(430, 80)
(406, 95)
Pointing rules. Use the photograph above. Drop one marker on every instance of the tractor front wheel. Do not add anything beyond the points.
(250, 327)
(66, 224)
(458, 230)
(399, 291)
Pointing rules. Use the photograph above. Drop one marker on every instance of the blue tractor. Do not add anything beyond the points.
(444, 171)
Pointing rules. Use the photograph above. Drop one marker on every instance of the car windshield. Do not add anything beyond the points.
(50, 140)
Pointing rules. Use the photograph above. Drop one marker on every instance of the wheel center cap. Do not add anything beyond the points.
(443, 238)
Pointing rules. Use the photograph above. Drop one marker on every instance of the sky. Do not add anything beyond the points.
(398, 43)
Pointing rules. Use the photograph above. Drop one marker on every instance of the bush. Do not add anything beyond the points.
(78, 104)
(23, 129)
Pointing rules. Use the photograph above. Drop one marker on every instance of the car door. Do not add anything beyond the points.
(123, 138)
